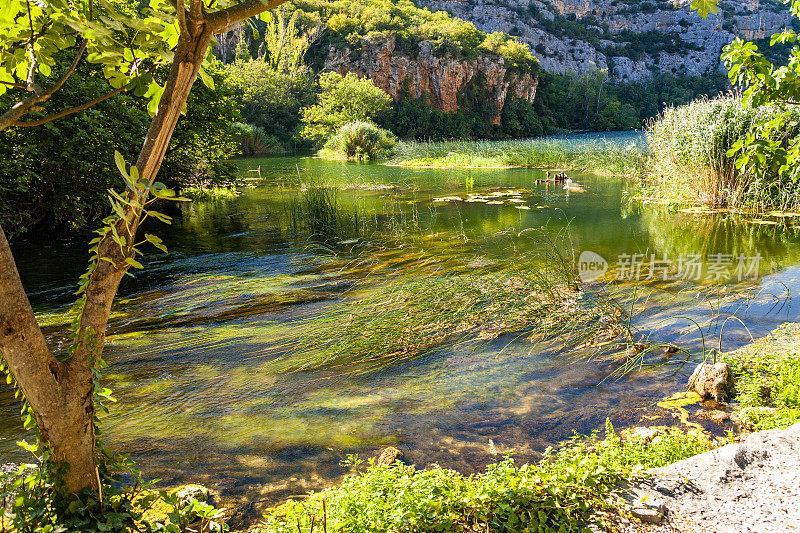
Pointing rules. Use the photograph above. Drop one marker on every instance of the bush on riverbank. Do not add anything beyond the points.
(690, 163)
(607, 157)
(253, 140)
(360, 140)
(768, 389)
(342, 99)
(563, 492)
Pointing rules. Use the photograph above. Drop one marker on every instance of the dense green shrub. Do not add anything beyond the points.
(559, 494)
(36, 503)
(342, 99)
(271, 100)
(253, 140)
(591, 102)
(768, 389)
(58, 174)
(360, 140)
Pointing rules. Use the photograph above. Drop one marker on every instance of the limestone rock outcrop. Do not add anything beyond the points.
(580, 35)
(439, 78)
(749, 486)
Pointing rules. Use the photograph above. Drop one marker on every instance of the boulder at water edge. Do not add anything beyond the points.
(713, 381)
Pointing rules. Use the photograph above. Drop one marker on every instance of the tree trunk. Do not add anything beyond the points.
(62, 394)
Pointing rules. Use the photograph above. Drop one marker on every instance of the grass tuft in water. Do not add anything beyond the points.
(601, 156)
(316, 211)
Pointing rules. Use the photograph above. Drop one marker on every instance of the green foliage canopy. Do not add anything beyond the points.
(59, 176)
(342, 99)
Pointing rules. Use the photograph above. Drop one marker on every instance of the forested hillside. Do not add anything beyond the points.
(633, 40)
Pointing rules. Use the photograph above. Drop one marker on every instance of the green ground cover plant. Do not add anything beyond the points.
(768, 388)
(563, 492)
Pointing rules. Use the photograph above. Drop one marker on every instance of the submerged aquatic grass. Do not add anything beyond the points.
(434, 305)
(600, 156)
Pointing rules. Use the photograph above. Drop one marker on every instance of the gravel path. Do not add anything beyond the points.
(747, 487)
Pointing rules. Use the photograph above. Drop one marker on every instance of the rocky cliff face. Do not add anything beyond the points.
(439, 78)
(632, 39)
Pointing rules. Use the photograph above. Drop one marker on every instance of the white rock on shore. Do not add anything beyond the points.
(747, 487)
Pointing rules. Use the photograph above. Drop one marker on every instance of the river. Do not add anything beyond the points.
(196, 338)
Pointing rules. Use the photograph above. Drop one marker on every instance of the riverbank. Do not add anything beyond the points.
(579, 485)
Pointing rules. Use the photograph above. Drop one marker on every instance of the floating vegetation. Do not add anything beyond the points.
(512, 196)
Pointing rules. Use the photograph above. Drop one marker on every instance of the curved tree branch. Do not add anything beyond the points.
(22, 108)
(221, 20)
(66, 112)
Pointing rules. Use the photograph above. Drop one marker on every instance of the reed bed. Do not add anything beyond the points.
(316, 212)
(624, 158)
(690, 166)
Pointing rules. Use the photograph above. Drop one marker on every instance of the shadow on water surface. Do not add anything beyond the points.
(198, 342)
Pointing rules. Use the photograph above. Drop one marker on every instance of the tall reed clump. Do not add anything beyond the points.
(602, 156)
(690, 164)
(316, 212)
(253, 140)
(360, 140)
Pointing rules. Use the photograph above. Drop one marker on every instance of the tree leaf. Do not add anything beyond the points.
(134, 263)
(704, 7)
(120, 162)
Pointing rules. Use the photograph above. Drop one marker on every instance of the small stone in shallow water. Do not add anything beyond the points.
(390, 455)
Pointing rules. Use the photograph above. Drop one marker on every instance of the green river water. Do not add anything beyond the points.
(194, 338)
